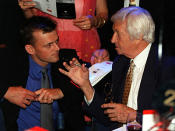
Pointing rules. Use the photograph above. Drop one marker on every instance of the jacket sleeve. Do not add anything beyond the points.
(3, 89)
(95, 110)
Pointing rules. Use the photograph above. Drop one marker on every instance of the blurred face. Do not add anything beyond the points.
(123, 44)
(45, 48)
(100, 55)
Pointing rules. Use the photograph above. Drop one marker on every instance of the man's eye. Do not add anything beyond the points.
(49, 45)
(56, 41)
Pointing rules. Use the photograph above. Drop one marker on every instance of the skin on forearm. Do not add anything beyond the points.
(88, 91)
(19, 96)
(98, 20)
(101, 13)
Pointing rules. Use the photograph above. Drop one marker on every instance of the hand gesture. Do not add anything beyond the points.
(77, 72)
(80, 75)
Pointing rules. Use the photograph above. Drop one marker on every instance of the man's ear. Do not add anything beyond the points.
(30, 49)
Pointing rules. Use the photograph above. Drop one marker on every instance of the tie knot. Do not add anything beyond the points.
(132, 64)
(44, 70)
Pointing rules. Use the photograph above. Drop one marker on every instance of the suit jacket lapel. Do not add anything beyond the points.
(149, 80)
(120, 68)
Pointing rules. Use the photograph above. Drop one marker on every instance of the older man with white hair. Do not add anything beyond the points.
(134, 73)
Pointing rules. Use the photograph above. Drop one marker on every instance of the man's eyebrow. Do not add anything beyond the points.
(54, 41)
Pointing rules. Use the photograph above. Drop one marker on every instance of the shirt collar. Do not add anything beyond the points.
(36, 68)
(140, 59)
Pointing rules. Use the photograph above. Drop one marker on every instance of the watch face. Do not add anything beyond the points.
(66, 9)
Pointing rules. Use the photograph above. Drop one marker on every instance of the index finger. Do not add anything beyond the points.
(66, 66)
(38, 92)
(74, 61)
(79, 20)
(29, 98)
(108, 105)
(63, 71)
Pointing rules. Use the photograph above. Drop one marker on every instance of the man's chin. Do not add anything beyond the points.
(54, 60)
(118, 51)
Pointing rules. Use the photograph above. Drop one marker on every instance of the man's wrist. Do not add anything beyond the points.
(60, 93)
(88, 91)
(139, 117)
(89, 101)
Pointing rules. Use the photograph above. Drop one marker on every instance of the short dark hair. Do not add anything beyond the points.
(34, 23)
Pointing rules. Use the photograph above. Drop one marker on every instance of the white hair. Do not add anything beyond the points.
(139, 22)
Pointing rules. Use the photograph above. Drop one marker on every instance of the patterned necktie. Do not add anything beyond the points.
(46, 115)
(128, 82)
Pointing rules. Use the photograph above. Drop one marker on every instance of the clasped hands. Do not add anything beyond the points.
(45, 95)
(23, 97)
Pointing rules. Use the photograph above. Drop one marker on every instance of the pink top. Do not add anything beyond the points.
(84, 41)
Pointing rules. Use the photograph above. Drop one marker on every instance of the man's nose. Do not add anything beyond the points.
(113, 38)
(56, 46)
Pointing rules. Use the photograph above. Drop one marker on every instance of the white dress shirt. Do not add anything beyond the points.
(139, 61)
